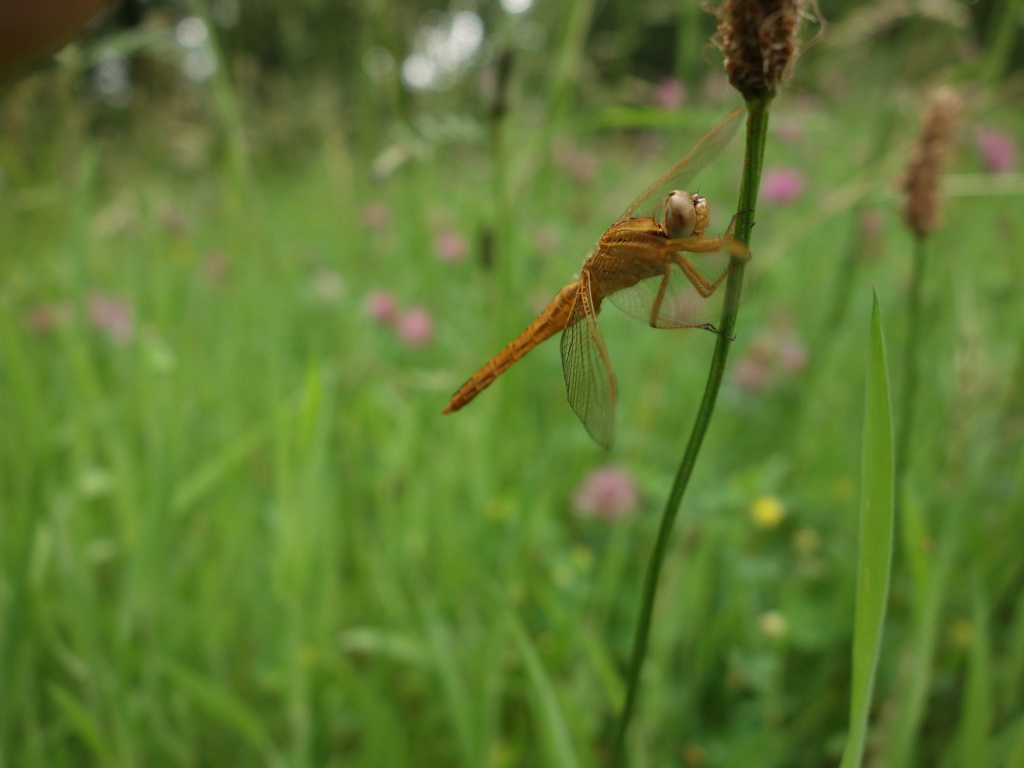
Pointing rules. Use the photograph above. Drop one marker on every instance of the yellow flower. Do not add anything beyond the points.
(773, 624)
(767, 512)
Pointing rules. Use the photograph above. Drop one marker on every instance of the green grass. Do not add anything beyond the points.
(248, 534)
(877, 515)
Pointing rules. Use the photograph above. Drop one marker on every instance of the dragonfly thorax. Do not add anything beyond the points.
(686, 215)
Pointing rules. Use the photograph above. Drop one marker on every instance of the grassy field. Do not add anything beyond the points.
(237, 528)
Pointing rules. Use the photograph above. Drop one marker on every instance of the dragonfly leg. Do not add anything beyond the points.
(659, 299)
(713, 329)
(732, 221)
(702, 285)
(725, 242)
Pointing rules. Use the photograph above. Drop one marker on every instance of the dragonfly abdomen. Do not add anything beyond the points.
(551, 320)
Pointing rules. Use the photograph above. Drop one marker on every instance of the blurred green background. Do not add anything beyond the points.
(250, 249)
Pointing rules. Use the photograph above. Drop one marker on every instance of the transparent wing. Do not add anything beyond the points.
(589, 382)
(669, 301)
(679, 284)
(678, 176)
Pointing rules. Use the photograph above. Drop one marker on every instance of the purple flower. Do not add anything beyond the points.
(793, 355)
(776, 350)
(112, 316)
(790, 132)
(998, 150)
(45, 318)
(782, 185)
(580, 164)
(546, 240)
(753, 372)
(716, 85)
(451, 247)
(670, 93)
(415, 327)
(376, 215)
(871, 223)
(382, 306)
(215, 267)
(607, 493)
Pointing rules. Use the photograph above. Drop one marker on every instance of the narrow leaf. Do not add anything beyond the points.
(81, 720)
(453, 684)
(876, 541)
(1016, 758)
(554, 731)
(221, 704)
(977, 702)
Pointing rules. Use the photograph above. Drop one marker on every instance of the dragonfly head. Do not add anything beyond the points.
(685, 214)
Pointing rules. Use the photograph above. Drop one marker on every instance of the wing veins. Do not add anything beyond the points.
(589, 383)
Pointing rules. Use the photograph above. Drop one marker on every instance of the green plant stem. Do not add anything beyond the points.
(579, 17)
(229, 109)
(757, 131)
(910, 344)
(1001, 35)
(928, 608)
(929, 603)
(909, 393)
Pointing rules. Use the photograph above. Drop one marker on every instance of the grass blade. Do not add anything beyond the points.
(82, 722)
(876, 541)
(1016, 758)
(222, 705)
(976, 718)
(453, 684)
(554, 730)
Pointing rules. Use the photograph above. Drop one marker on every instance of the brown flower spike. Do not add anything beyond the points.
(920, 181)
(758, 38)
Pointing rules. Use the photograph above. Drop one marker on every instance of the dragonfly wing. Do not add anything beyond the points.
(687, 293)
(680, 174)
(589, 382)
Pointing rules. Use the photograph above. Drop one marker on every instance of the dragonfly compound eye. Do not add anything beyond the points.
(680, 216)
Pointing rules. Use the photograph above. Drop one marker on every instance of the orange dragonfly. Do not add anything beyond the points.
(661, 271)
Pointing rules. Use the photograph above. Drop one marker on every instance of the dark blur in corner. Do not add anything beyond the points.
(32, 31)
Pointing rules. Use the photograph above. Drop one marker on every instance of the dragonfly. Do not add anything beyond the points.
(656, 262)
